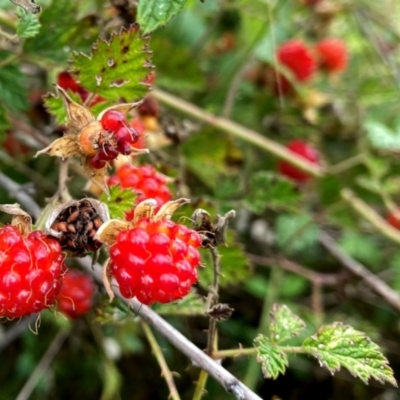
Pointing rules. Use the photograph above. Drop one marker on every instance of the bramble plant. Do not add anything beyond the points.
(170, 204)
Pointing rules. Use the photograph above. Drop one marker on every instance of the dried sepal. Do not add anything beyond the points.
(145, 209)
(109, 231)
(167, 209)
(123, 107)
(78, 115)
(97, 176)
(20, 218)
(64, 147)
(220, 312)
(106, 278)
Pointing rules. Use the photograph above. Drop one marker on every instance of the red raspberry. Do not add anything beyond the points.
(145, 180)
(155, 261)
(332, 55)
(394, 219)
(31, 270)
(76, 294)
(304, 150)
(112, 120)
(139, 127)
(298, 58)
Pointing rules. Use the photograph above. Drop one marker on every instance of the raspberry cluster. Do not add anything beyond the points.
(145, 181)
(155, 261)
(31, 271)
(120, 138)
(76, 294)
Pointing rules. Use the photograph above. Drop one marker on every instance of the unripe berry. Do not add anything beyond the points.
(89, 137)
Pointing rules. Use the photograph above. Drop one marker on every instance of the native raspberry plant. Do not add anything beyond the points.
(209, 265)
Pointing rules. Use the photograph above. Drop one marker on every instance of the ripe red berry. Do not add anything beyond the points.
(31, 270)
(155, 261)
(145, 180)
(112, 120)
(76, 294)
(393, 219)
(97, 163)
(332, 55)
(298, 58)
(303, 150)
(139, 127)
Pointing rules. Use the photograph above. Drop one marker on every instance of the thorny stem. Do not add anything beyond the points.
(166, 372)
(252, 350)
(239, 131)
(212, 299)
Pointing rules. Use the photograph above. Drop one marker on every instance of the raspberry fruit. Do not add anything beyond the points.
(332, 55)
(31, 270)
(155, 261)
(76, 294)
(393, 219)
(113, 120)
(145, 180)
(303, 150)
(298, 58)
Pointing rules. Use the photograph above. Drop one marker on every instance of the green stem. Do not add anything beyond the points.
(221, 354)
(201, 384)
(240, 132)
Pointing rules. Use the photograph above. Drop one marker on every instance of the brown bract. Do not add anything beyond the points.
(84, 137)
(20, 218)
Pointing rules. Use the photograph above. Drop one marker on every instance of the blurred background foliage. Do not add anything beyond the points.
(216, 54)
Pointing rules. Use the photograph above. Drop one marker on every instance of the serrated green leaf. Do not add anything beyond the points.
(296, 232)
(273, 360)
(338, 345)
(284, 324)
(154, 13)
(190, 305)
(268, 190)
(234, 264)
(119, 201)
(55, 105)
(381, 136)
(28, 25)
(116, 69)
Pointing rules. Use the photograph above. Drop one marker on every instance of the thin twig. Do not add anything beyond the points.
(200, 385)
(166, 372)
(197, 357)
(43, 364)
(239, 131)
(15, 190)
(379, 286)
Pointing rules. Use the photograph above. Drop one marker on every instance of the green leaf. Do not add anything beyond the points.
(119, 201)
(381, 136)
(296, 233)
(284, 324)
(4, 122)
(234, 264)
(111, 380)
(13, 92)
(268, 190)
(115, 69)
(338, 345)
(190, 305)
(55, 105)
(273, 360)
(28, 25)
(153, 13)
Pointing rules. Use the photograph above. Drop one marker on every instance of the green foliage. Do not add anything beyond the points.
(55, 106)
(119, 201)
(155, 13)
(12, 86)
(116, 68)
(4, 122)
(28, 25)
(381, 136)
(268, 190)
(338, 345)
(190, 305)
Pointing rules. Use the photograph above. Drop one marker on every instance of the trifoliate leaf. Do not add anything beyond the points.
(296, 232)
(116, 68)
(284, 324)
(273, 360)
(119, 201)
(381, 136)
(28, 25)
(338, 345)
(268, 190)
(154, 13)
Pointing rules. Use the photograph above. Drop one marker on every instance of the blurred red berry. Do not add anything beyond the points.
(303, 150)
(66, 81)
(332, 55)
(76, 293)
(393, 219)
